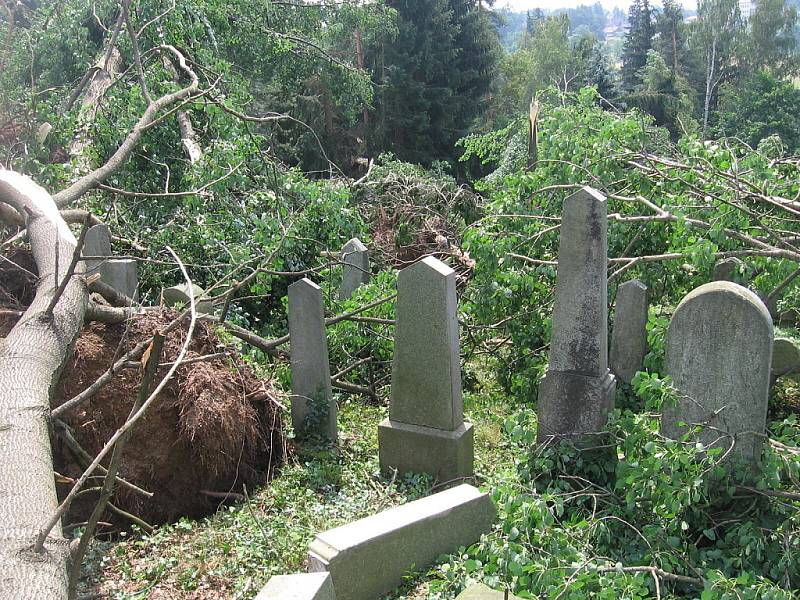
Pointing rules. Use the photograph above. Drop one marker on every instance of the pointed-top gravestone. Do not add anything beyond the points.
(313, 410)
(629, 336)
(719, 351)
(425, 431)
(355, 272)
(577, 393)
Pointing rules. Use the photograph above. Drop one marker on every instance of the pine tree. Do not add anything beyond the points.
(638, 41)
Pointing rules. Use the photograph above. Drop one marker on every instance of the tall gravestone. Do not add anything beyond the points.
(577, 393)
(313, 409)
(425, 431)
(719, 351)
(355, 272)
(629, 336)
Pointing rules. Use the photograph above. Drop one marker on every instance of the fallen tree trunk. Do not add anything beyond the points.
(31, 359)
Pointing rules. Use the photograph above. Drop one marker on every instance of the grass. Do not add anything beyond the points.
(234, 552)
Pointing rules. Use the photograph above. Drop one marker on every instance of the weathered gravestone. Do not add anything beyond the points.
(370, 557)
(313, 409)
(719, 351)
(123, 275)
(355, 271)
(785, 358)
(425, 431)
(629, 336)
(727, 269)
(97, 243)
(301, 586)
(120, 274)
(577, 393)
(179, 294)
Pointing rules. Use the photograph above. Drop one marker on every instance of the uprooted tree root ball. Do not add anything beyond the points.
(215, 427)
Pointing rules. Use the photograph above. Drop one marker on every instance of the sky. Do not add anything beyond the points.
(522, 5)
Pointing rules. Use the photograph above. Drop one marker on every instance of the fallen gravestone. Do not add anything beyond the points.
(425, 431)
(355, 271)
(179, 295)
(629, 336)
(479, 591)
(577, 393)
(369, 557)
(302, 586)
(719, 351)
(313, 409)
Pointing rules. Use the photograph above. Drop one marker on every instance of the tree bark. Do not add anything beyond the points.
(31, 359)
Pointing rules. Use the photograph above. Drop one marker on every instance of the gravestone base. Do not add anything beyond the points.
(573, 405)
(446, 455)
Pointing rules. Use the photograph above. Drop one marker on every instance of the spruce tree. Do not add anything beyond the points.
(671, 40)
(434, 77)
(638, 41)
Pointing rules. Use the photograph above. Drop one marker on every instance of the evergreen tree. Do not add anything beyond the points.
(599, 75)
(638, 41)
(433, 77)
(475, 67)
(533, 20)
(671, 35)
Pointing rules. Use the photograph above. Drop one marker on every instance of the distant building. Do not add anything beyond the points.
(747, 8)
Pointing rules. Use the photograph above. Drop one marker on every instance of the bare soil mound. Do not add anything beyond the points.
(215, 427)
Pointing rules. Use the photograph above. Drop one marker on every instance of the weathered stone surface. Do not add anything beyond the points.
(446, 455)
(122, 275)
(785, 358)
(302, 586)
(727, 269)
(426, 372)
(355, 271)
(179, 294)
(368, 558)
(629, 336)
(719, 352)
(577, 392)
(425, 431)
(313, 410)
(97, 243)
(479, 591)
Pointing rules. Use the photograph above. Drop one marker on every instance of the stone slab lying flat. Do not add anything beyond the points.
(303, 586)
(368, 558)
(479, 591)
